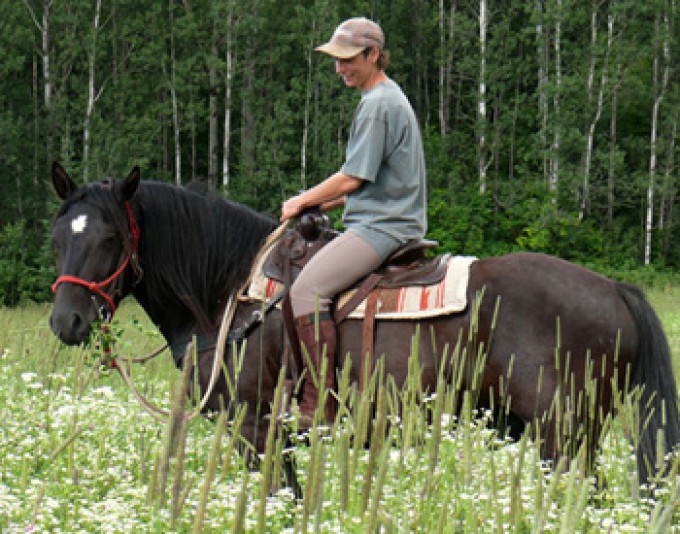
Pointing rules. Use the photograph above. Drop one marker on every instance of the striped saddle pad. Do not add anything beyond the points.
(409, 302)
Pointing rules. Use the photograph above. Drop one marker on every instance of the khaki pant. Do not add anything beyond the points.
(334, 268)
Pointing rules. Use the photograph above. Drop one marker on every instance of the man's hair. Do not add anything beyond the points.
(383, 57)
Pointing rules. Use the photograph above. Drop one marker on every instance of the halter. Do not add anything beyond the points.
(97, 287)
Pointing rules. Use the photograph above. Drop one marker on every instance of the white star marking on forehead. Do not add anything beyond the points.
(79, 224)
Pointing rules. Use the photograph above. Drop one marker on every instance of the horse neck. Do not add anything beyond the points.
(195, 252)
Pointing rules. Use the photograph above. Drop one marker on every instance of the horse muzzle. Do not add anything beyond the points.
(72, 324)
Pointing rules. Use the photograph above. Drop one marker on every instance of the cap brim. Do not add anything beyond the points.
(339, 51)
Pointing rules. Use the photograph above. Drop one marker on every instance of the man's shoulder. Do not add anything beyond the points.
(383, 99)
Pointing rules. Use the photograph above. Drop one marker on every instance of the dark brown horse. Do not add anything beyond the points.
(561, 327)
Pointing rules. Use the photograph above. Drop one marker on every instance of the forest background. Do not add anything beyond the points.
(549, 125)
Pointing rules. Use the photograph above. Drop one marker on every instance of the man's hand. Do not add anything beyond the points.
(328, 194)
(292, 208)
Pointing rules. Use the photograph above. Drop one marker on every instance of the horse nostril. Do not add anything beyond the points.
(76, 322)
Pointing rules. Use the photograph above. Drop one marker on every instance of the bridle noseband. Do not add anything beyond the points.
(131, 257)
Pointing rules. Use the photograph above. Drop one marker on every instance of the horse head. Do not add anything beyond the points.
(95, 237)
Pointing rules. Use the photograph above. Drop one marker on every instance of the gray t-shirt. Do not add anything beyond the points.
(386, 151)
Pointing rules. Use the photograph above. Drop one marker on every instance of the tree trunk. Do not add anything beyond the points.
(554, 166)
(175, 108)
(212, 105)
(481, 102)
(541, 48)
(659, 93)
(92, 95)
(599, 104)
(47, 74)
(226, 142)
(44, 29)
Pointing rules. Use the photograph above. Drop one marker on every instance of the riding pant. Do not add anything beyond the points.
(337, 266)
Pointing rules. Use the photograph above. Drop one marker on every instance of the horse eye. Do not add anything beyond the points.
(109, 240)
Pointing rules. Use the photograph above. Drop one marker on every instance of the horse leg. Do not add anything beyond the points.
(253, 445)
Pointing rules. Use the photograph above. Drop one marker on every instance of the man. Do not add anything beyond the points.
(381, 184)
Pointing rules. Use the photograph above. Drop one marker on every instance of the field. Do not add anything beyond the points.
(77, 454)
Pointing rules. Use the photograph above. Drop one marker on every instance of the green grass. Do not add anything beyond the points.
(77, 454)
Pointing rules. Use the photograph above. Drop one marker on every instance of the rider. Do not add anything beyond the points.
(381, 184)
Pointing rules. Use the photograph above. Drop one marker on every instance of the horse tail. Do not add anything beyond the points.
(652, 371)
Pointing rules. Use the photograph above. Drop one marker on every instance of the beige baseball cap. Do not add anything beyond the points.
(352, 37)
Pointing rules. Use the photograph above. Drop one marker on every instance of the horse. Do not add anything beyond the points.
(554, 326)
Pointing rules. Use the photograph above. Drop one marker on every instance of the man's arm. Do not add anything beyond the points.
(328, 194)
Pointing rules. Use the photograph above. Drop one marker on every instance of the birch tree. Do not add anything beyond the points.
(93, 93)
(481, 103)
(176, 136)
(230, 46)
(595, 102)
(660, 76)
(542, 76)
(554, 177)
(44, 29)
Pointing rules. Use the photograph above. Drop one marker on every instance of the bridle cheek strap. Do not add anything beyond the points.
(98, 287)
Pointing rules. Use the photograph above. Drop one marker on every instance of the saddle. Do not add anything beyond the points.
(407, 266)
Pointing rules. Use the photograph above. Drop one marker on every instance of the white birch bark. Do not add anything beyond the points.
(481, 104)
(553, 181)
(590, 82)
(47, 74)
(173, 99)
(659, 93)
(44, 29)
(92, 94)
(229, 77)
(599, 104)
(542, 80)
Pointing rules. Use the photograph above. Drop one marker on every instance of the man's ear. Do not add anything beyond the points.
(61, 181)
(128, 187)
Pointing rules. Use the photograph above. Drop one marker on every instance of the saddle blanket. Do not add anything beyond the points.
(410, 302)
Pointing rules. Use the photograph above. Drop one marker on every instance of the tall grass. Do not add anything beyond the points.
(78, 454)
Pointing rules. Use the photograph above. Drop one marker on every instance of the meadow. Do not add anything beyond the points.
(77, 454)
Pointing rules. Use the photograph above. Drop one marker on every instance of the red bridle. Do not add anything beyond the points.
(97, 287)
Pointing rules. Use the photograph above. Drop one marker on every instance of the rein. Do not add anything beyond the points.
(98, 287)
(223, 337)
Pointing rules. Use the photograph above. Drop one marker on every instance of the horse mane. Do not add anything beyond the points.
(194, 249)
(201, 247)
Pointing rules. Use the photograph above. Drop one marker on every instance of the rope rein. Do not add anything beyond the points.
(227, 318)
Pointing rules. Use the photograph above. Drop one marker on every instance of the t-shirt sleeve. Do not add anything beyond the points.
(365, 149)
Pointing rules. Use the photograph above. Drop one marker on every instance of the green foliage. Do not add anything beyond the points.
(158, 65)
(26, 265)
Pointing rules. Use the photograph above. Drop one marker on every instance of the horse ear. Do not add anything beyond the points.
(61, 181)
(128, 187)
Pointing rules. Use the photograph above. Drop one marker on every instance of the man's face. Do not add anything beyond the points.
(359, 70)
